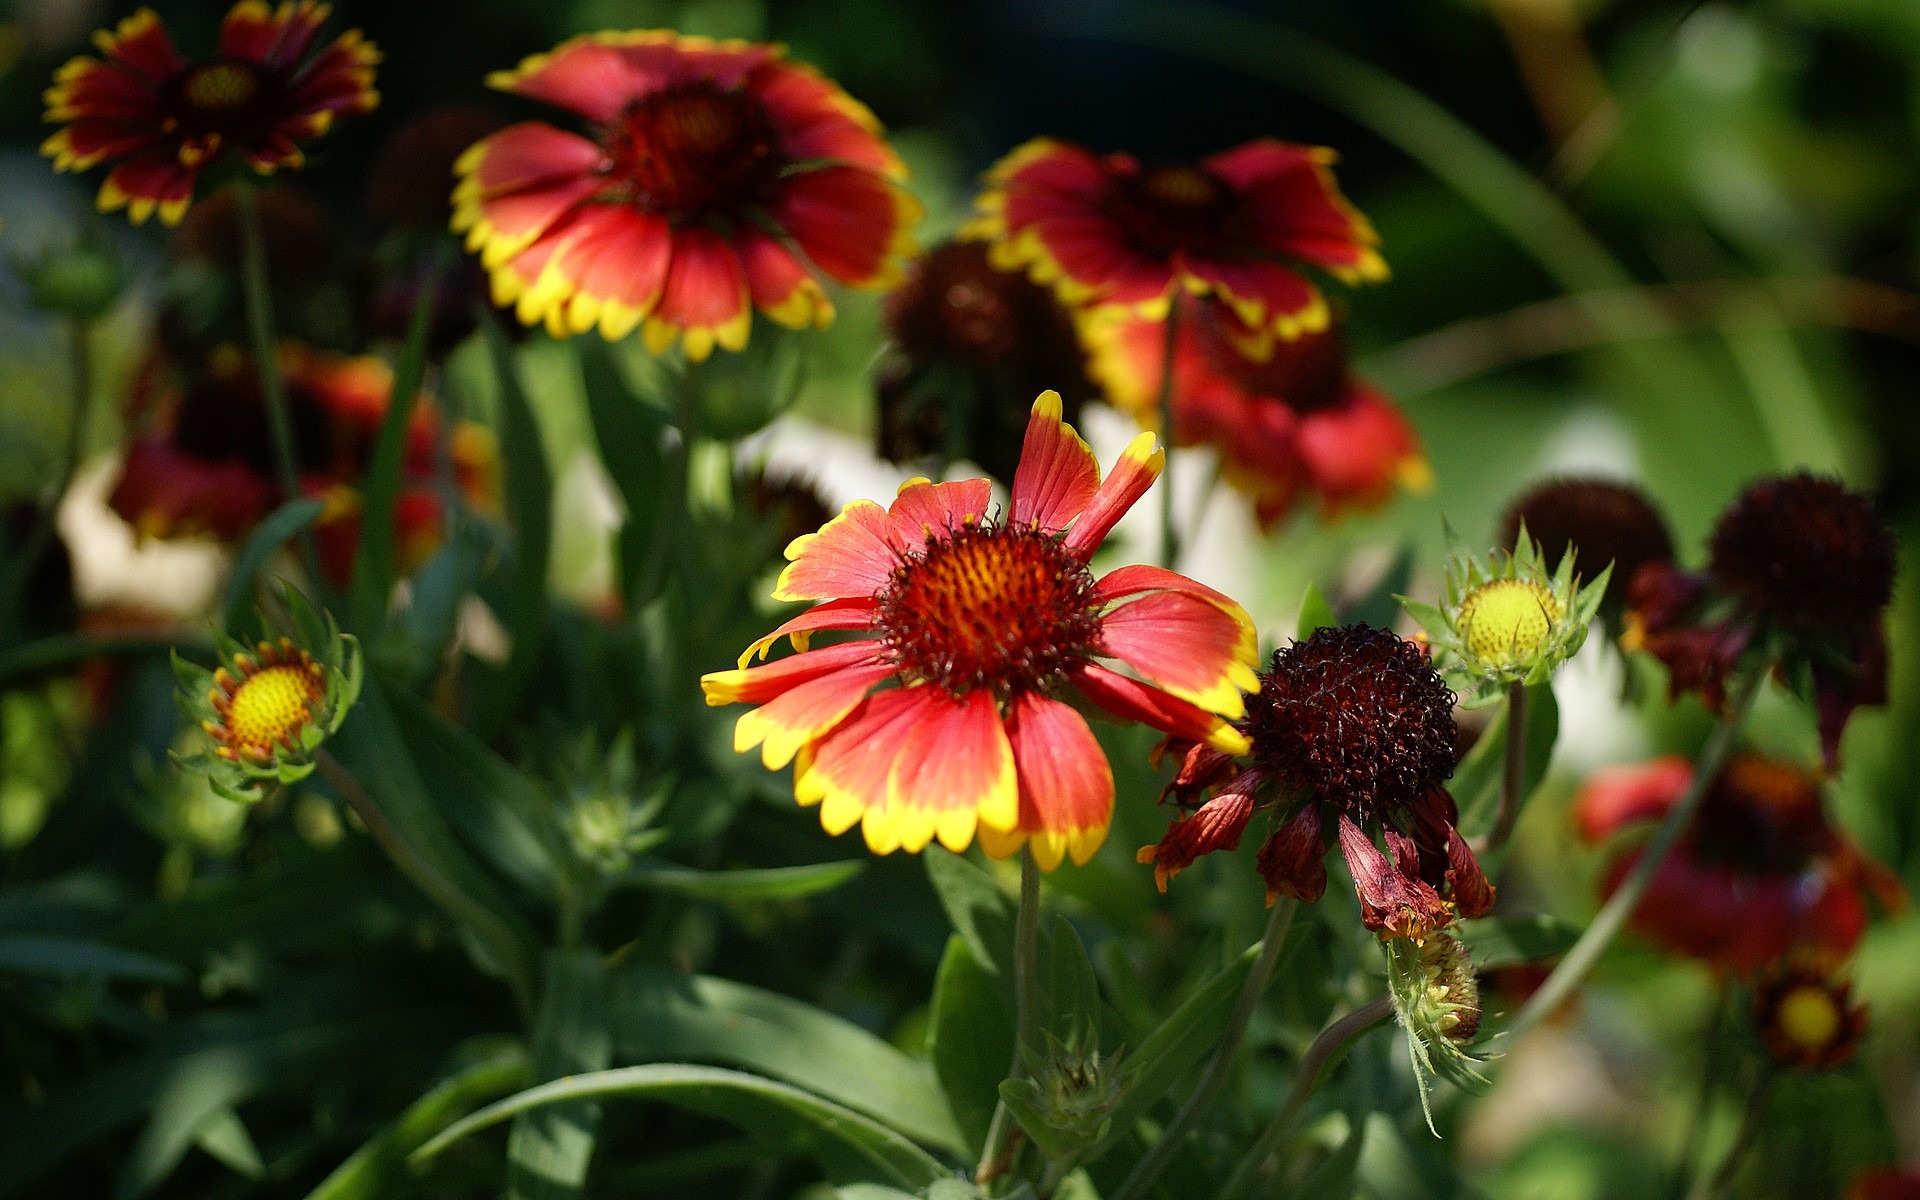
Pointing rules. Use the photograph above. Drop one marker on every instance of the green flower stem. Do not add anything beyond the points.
(1710, 1068)
(1750, 1122)
(40, 536)
(1613, 915)
(1515, 775)
(428, 878)
(997, 1155)
(1225, 1057)
(1325, 1051)
(266, 356)
(1169, 535)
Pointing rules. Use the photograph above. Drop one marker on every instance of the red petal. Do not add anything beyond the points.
(1189, 645)
(1293, 860)
(1356, 452)
(1140, 464)
(705, 298)
(846, 771)
(1066, 785)
(757, 685)
(805, 713)
(779, 285)
(1057, 475)
(851, 222)
(585, 74)
(817, 120)
(1217, 825)
(923, 511)
(853, 555)
(1263, 294)
(1467, 885)
(853, 613)
(954, 772)
(1616, 796)
(618, 259)
(1136, 701)
(140, 43)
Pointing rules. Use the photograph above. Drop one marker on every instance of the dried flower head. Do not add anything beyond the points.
(1508, 621)
(1601, 522)
(267, 710)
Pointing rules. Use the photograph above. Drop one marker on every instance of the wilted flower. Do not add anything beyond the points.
(1807, 1016)
(1108, 232)
(1507, 621)
(978, 625)
(162, 118)
(1291, 424)
(708, 165)
(972, 346)
(1798, 573)
(1601, 522)
(268, 710)
(1760, 871)
(1352, 738)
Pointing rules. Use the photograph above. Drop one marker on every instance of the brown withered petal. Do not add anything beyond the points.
(1216, 825)
(1293, 859)
(1394, 900)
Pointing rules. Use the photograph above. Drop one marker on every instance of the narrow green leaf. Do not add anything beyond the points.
(849, 1147)
(970, 1037)
(1315, 613)
(282, 523)
(39, 954)
(761, 883)
(373, 562)
(1069, 990)
(550, 1146)
(981, 913)
(665, 1015)
(529, 488)
(224, 1136)
(377, 1168)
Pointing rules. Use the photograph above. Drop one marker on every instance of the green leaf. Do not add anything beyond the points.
(761, 883)
(664, 1015)
(373, 562)
(970, 1037)
(549, 1148)
(1175, 1048)
(282, 523)
(39, 954)
(225, 1137)
(1498, 941)
(378, 1168)
(529, 489)
(1476, 781)
(1315, 613)
(981, 913)
(1022, 1098)
(849, 1147)
(1069, 990)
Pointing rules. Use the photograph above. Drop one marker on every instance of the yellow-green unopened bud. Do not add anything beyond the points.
(1506, 622)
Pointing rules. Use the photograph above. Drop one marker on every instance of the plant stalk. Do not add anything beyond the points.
(1169, 533)
(1514, 777)
(1279, 918)
(1613, 915)
(1750, 1121)
(1325, 1051)
(1710, 1069)
(998, 1153)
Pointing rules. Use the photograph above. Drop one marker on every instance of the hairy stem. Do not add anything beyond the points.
(997, 1155)
(1279, 918)
(1325, 1051)
(1513, 778)
(1613, 915)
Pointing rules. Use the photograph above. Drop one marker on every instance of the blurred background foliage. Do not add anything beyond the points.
(1673, 240)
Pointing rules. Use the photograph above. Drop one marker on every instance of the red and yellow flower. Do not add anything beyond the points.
(1291, 424)
(1235, 228)
(715, 177)
(1759, 874)
(945, 718)
(162, 118)
(205, 465)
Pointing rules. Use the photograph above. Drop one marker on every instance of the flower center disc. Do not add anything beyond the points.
(693, 150)
(1507, 621)
(1000, 608)
(1174, 208)
(271, 707)
(1809, 1016)
(231, 99)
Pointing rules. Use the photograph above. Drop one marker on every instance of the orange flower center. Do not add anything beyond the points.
(220, 87)
(1174, 208)
(271, 707)
(993, 607)
(691, 151)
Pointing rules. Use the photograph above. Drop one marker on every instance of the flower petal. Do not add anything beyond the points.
(818, 120)
(515, 184)
(588, 74)
(1616, 796)
(852, 613)
(704, 302)
(1140, 464)
(618, 262)
(1058, 474)
(923, 511)
(1136, 701)
(779, 285)
(1293, 859)
(955, 770)
(801, 715)
(846, 771)
(757, 685)
(853, 224)
(1188, 645)
(1216, 825)
(852, 555)
(1066, 785)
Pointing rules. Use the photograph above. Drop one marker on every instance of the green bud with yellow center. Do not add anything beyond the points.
(1436, 998)
(1505, 620)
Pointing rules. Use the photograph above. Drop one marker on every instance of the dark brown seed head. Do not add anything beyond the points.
(1601, 520)
(1806, 554)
